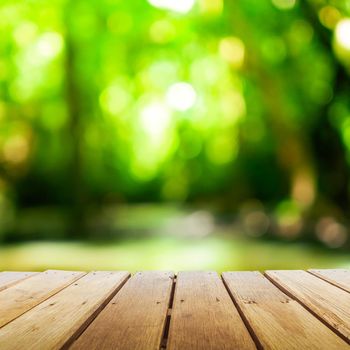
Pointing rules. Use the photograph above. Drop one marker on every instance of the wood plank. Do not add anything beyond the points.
(329, 303)
(278, 321)
(339, 277)
(204, 316)
(9, 278)
(57, 321)
(135, 317)
(23, 296)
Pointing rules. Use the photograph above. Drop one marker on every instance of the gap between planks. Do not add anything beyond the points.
(10, 278)
(31, 328)
(164, 340)
(334, 277)
(165, 332)
(243, 317)
(30, 292)
(308, 308)
(92, 317)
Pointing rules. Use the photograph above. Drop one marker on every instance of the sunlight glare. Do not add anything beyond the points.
(155, 118)
(342, 33)
(50, 44)
(181, 6)
(181, 96)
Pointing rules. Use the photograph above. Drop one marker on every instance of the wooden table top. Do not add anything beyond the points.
(160, 310)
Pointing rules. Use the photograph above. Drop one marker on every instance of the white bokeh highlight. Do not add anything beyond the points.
(181, 96)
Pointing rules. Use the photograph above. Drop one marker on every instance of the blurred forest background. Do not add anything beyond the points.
(174, 134)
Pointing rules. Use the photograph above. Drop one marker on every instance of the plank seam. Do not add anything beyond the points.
(328, 281)
(90, 319)
(243, 317)
(49, 297)
(13, 283)
(165, 334)
(286, 291)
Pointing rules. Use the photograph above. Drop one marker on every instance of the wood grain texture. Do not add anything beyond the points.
(23, 296)
(57, 321)
(9, 278)
(329, 303)
(134, 318)
(339, 277)
(278, 321)
(204, 316)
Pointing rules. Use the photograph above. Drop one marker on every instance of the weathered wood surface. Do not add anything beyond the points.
(9, 278)
(340, 278)
(326, 301)
(134, 318)
(55, 322)
(278, 321)
(158, 310)
(21, 297)
(203, 315)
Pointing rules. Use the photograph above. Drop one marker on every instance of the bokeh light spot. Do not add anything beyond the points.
(211, 7)
(342, 33)
(50, 44)
(329, 16)
(330, 232)
(284, 4)
(16, 149)
(232, 50)
(25, 33)
(162, 31)
(114, 99)
(303, 187)
(155, 118)
(181, 96)
(180, 6)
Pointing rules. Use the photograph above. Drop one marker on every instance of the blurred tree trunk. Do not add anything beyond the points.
(292, 144)
(74, 100)
(331, 156)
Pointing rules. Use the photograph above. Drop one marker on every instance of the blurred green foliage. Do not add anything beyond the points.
(242, 106)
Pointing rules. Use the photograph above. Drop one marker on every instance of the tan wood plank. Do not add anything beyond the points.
(204, 316)
(134, 318)
(329, 303)
(9, 278)
(278, 321)
(339, 277)
(23, 296)
(57, 321)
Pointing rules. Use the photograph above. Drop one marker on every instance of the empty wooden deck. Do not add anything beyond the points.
(160, 310)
